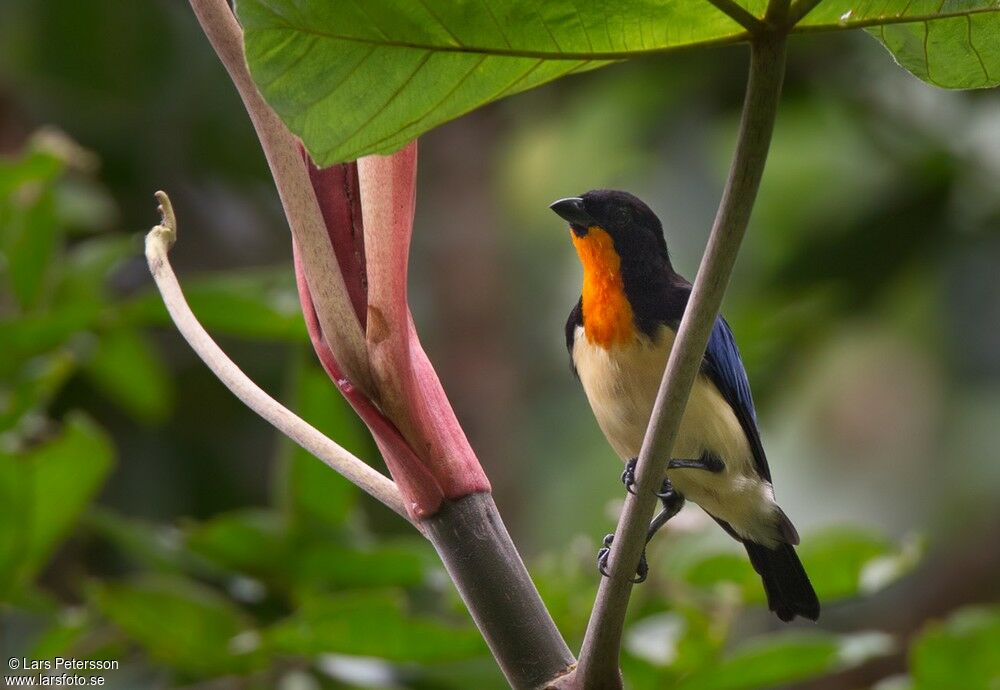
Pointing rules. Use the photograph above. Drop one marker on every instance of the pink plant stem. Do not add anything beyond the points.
(410, 391)
(339, 197)
(419, 488)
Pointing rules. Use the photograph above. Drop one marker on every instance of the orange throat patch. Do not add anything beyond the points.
(607, 315)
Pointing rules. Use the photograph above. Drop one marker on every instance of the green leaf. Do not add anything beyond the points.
(836, 558)
(371, 624)
(42, 493)
(36, 333)
(31, 233)
(785, 658)
(255, 542)
(259, 304)
(842, 562)
(961, 52)
(356, 78)
(332, 566)
(67, 631)
(34, 168)
(32, 386)
(181, 624)
(252, 541)
(157, 548)
(959, 653)
(89, 265)
(683, 640)
(125, 368)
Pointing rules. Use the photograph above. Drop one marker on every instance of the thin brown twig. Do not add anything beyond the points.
(158, 243)
(599, 658)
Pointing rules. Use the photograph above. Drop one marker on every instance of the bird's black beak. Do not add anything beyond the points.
(571, 209)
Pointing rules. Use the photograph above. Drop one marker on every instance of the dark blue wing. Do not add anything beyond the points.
(724, 368)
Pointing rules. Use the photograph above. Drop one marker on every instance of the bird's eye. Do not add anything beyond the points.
(622, 216)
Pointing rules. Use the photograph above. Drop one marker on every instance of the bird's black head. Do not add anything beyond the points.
(628, 281)
(634, 230)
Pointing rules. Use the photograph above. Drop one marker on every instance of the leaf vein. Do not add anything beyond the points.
(395, 94)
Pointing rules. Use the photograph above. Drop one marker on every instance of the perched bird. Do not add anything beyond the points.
(619, 336)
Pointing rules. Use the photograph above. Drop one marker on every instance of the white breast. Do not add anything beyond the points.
(621, 384)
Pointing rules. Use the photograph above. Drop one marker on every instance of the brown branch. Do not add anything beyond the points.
(599, 658)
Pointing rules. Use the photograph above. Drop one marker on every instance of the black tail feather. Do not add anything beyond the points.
(789, 592)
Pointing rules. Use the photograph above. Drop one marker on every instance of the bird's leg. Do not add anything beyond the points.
(628, 476)
(641, 570)
(710, 462)
(672, 503)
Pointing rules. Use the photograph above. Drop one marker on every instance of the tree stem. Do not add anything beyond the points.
(481, 559)
(599, 658)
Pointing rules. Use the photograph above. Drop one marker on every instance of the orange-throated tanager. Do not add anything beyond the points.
(619, 335)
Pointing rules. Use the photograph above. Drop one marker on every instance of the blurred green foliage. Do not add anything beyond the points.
(143, 520)
(254, 593)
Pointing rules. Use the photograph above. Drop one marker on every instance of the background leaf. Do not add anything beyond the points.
(250, 304)
(839, 560)
(30, 230)
(371, 624)
(180, 623)
(778, 660)
(127, 370)
(312, 493)
(43, 491)
(959, 653)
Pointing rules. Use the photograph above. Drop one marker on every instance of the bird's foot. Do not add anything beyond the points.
(666, 492)
(628, 476)
(709, 462)
(641, 571)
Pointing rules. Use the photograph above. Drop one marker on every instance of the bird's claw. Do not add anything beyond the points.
(628, 475)
(641, 571)
(666, 491)
(603, 554)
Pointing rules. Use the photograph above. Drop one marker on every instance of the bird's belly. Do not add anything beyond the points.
(621, 384)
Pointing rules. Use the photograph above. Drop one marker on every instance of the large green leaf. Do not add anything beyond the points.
(42, 492)
(353, 78)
